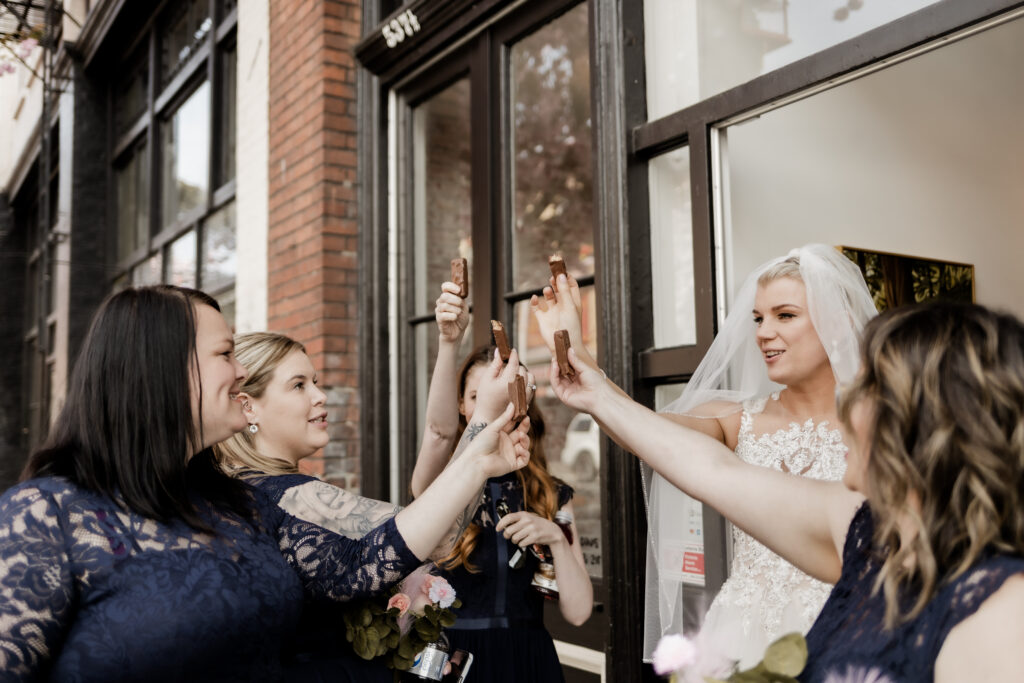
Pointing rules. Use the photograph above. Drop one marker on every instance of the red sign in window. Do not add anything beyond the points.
(693, 563)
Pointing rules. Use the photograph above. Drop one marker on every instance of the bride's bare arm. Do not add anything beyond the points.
(803, 520)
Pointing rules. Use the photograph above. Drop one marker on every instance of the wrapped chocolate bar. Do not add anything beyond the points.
(562, 346)
(557, 265)
(517, 397)
(501, 340)
(460, 275)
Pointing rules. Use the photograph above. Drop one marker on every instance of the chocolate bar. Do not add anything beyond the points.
(501, 340)
(517, 397)
(460, 276)
(557, 265)
(562, 346)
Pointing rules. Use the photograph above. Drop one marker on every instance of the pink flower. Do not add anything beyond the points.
(674, 652)
(6, 68)
(26, 46)
(440, 592)
(401, 601)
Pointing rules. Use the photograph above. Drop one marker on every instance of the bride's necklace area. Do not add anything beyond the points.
(792, 417)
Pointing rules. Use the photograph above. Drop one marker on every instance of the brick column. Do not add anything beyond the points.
(312, 246)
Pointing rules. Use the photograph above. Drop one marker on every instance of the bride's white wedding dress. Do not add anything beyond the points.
(765, 597)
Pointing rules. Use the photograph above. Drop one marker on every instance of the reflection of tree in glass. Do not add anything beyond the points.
(552, 148)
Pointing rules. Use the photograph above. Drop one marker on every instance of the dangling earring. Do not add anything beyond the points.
(253, 428)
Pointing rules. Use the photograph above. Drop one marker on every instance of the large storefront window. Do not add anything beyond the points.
(179, 142)
(699, 48)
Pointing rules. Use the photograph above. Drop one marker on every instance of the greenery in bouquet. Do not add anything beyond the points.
(396, 626)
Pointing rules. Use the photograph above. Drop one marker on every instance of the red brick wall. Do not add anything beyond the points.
(312, 252)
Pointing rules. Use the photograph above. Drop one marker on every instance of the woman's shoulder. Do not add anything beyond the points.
(54, 489)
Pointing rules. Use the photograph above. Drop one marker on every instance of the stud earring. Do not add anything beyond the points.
(253, 428)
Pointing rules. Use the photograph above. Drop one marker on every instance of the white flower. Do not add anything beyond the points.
(858, 675)
(674, 653)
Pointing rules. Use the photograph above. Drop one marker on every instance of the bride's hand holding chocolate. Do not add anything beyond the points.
(560, 307)
(586, 390)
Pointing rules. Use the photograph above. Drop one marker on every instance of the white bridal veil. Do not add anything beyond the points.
(733, 371)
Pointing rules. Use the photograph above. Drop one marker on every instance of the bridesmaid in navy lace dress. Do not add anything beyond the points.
(501, 621)
(128, 555)
(930, 567)
(287, 417)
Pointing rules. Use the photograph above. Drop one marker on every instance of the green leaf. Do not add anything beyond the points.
(406, 649)
(365, 618)
(447, 619)
(787, 655)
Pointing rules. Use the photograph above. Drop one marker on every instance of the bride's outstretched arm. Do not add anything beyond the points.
(803, 520)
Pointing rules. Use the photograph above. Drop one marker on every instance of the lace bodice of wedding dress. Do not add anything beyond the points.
(766, 597)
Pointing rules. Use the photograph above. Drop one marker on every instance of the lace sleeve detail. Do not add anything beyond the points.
(338, 568)
(341, 511)
(36, 586)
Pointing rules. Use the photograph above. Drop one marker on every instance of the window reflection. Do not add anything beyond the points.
(442, 202)
(149, 272)
(187, 26)
(572, 441)
(133, 203)
(697, 48)
(181, 260)
(218, 257)
(185, 142)
(675, 318)
(553, 209)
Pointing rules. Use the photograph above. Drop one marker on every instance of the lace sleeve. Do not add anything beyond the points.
(338, 568)
(35, 582)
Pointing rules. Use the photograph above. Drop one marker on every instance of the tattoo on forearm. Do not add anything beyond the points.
(336, 509)
(472, 431)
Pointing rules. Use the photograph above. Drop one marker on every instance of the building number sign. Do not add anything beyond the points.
(401, 27)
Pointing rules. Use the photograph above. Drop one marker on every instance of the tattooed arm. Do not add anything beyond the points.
(336, 509)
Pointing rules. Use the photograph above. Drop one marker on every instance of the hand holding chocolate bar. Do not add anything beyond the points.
(451, 313)
(562, 346)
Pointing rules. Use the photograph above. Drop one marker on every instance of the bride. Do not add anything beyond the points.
(766, 389)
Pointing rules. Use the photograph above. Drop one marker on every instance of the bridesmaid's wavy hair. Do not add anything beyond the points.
(260, 353)
(946, 382)
(540, 493)
(126, 429)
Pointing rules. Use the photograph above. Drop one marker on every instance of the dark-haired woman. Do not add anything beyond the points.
(926, 540)
(127, 554)
(501, 621)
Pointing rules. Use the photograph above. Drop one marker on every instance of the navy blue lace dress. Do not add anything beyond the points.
(89, 592)
(502, 618)
(318, 652)
(848, 638)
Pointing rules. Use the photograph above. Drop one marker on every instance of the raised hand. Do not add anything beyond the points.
(500, 448)
(560, 308)
(452, 313)
(492, 392)
(584, 391)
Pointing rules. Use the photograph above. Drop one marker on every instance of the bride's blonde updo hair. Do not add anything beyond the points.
(260, 353)
(946, 387)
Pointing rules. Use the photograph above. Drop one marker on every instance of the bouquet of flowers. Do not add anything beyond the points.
(686, 660)
(399, 624)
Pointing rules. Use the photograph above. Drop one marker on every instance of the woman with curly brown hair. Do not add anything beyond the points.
(926, 538)
(501, 620)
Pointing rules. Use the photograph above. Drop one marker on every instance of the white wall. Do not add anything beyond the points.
(252, 159)
(925, 158)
